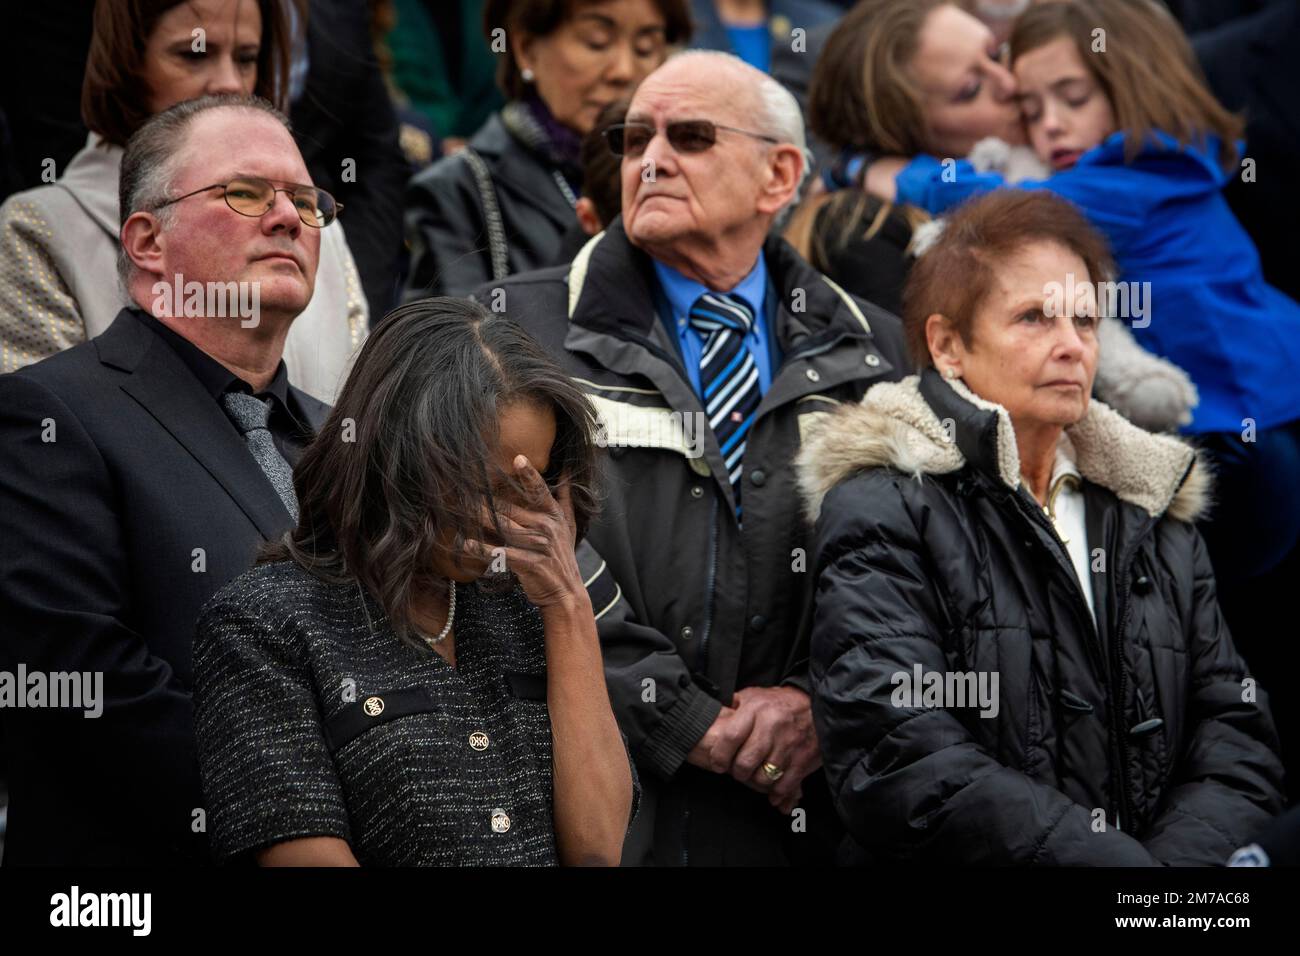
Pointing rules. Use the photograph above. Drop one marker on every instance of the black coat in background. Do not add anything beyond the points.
(43, 49)
(1253, 67)
(872, 267)
(344, 113)
(1198, 15)
(446, 224)
(1134, 741)
(98, 572)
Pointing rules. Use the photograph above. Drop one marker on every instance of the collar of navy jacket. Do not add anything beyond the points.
(824, 334)
(156, 378)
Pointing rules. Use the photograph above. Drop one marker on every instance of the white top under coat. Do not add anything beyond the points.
(1071, 521)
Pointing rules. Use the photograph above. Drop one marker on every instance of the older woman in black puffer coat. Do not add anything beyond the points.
(1017, 654)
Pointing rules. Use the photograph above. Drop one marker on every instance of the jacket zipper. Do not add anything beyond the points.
(1117, 662)
(702, 664)
(712, 579)
(1080, 603)
(1117, 686)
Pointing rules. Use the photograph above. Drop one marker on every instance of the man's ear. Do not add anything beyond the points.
(142, 239)
(785, 165)
(587, 216)
(946, 346)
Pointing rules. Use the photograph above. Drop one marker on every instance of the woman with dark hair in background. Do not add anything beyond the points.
(59, 243)
(412, 676)
(502, 204)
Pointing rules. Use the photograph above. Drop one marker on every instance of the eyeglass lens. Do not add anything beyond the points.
(255, 197)
(685, 136)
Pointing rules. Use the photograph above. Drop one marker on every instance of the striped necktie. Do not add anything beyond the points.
(729, 381)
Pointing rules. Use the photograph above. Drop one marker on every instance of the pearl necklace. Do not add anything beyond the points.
(451, 616)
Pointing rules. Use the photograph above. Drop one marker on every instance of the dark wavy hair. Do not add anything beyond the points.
(409, 451)
(541, 18)
(113, 91)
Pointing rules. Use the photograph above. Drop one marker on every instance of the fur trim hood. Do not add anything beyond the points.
(896, 426)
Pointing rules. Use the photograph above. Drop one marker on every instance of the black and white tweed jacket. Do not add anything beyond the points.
(314, 719)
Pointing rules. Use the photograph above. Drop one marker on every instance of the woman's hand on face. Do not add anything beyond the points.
(541, 540)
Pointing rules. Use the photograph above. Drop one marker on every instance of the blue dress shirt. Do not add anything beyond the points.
(681, 293)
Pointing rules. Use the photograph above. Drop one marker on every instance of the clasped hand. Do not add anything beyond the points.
(763, 725)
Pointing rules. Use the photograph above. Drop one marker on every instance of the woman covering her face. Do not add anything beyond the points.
(412, 676)
(1018, 656)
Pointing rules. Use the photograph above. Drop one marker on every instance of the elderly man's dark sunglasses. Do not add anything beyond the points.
(254, 196)
(685, 136)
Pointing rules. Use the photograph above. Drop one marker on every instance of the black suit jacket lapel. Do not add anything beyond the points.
(160, 382)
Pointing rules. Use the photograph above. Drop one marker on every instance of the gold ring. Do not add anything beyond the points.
(774, 773)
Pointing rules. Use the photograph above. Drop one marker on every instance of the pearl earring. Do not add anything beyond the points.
(527, 75)
(950, 373)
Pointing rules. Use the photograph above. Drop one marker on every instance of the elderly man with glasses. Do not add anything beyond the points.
(708, 347)
(142, 471)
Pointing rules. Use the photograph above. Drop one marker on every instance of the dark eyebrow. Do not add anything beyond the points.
(600, 18)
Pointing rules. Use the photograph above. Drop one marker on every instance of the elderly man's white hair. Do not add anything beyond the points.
(779, 113)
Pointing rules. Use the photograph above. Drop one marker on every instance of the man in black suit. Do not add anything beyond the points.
(142, 471)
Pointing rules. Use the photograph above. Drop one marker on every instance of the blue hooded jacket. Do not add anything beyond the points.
(1210, 310)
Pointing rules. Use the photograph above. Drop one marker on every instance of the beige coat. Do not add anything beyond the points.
(59, 283)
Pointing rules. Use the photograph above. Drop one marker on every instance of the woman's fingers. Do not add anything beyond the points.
(536, 572)
(539, 496)
(530, 537)
(475, 549)
(564, 498)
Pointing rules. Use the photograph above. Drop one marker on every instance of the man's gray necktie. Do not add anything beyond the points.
(250, 415)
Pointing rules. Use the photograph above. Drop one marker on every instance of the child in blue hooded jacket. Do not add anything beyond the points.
(1112, 101)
